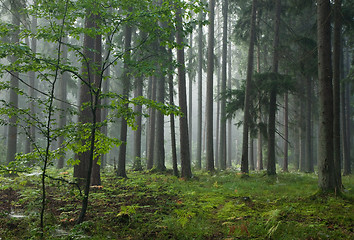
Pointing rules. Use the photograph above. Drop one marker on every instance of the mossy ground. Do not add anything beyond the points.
(159, 206)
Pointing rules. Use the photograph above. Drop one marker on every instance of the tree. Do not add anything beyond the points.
(183, 120)
(209, 91)
(200, 88)
(326, 169)
(271, 169)
(336, 90)
(121, 172)
(16, 7)
(222, 148)
(246, 116)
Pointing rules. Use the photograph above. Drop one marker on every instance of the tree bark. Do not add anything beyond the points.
(200, 97)
(12, 129)
(337, 45)
(183, 120)
(326, 173)
(271, 168)
(209, 91)
(222, 148)
(121, 170)
(246, 117)
(309, 168)
(286, 133)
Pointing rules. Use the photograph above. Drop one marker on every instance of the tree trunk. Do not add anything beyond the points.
(222, 148)
(190, 89)
(172, 117)
(183, 120)
(200, 97)
(246, 117)
(336, 90)
(151, 141)
(137, 134)
(159, 146)
(63, 105)
(229, 126)
(209, 91)
(308, 149)
(12, 129)
(286, 135)
(326, 173)
(271, 169)
(121, 170)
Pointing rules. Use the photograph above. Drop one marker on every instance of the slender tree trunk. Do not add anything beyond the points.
(104, 112)
(222, 148)
(271, 169)
(286, 133)
(63, 105)
(183, 120)
(151, 141)
(200, 97)
(229, 126)
(159, 146)
(326, 173)
(172, 117)
(308, 138)
(137, 134)
(251, 155)
(337, 45)
(12, 129)
(121, 170)
(190, 91)
(246, 117)
(302, 135)
(209, 91)
(96, 168)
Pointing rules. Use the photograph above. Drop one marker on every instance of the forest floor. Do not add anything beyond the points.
(224, 205)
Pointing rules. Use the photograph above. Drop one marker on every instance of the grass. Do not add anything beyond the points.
(160, 206)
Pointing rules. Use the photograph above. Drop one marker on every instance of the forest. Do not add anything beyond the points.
(176, 119)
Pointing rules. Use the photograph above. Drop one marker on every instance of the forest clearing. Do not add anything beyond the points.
(160, 206)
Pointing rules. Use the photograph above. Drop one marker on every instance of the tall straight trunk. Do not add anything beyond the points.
(104, 112)
(302, 136)
(259, 134)
(217, 127)
(32, 92)
(286, 132)
(96, 167)
(138, 119)
(121, 170)
(85, 115)
(190, 89)
(229, 126)
(271, 169)
(63, 105)
(308, 148)
(148, 123)
(172, 117)
(345, 114)
(12, 128)
(326, 172)
(337, 45)
(200, 97)
(159, 146)
(251, 155)
(186, 171)
(152, 121)
(246, 116)
(209, 91)
(222, 148)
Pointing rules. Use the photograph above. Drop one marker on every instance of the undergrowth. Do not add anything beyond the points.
(160, 206)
